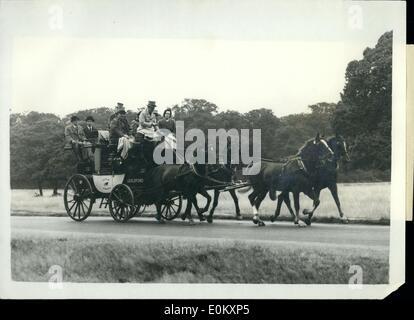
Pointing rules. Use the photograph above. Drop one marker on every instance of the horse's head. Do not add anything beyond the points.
(316, 151)
(339, 147)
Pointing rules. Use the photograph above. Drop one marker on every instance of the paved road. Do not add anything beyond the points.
(281, 232)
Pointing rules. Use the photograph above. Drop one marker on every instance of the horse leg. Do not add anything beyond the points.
(193, 200)
(315, 197)
(258, 201)
(236, 204)
(215, 202)
(205, 194)
(159, 216)
(187, 209)
(334, 191)
(287, 202)
(279, 206)
(252, 198)
(297, 207)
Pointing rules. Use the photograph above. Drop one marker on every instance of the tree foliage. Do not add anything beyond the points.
(364, 112)
(362, 116)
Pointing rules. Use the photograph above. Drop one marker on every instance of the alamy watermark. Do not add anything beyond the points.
(56, 277)
(355, 281)
(217, 147)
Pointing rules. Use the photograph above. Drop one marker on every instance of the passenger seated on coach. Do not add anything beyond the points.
(91, 132)
(167, 122)
(148, 121)
(76, 138)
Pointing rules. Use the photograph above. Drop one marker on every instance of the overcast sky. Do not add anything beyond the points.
(284, 55)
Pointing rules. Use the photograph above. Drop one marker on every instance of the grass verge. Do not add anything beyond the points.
(95, 258)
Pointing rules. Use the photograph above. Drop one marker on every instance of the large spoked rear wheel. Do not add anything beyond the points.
(171, 208)
(78, 197)
(121, 203)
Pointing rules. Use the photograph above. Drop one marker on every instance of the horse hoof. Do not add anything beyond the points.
(161, 220)
(308, 222)
(202, 218)
(261, 224)
(344, 220)
(209, 220)
(300, 224)
(183, 217)
(272, 219)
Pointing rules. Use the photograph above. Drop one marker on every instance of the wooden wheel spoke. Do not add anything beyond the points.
(70, 209)
(117, 198)
(117, 210)
(76, 209)
(168, 213)
(86, 205)
(83, 208)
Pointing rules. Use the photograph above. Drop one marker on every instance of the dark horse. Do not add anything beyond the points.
(326, 176)
(163, 181)
(184, 179)
(316, 175)
(297, 175)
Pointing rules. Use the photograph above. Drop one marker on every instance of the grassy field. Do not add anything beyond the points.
(360, 201)
(124, 259)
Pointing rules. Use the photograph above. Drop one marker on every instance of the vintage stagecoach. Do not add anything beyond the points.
(114, 183)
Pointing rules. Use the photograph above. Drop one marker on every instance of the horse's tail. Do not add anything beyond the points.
(244, 190)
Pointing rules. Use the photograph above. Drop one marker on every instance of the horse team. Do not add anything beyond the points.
(311, 170)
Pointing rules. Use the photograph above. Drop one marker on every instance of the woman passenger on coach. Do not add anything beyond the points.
(167, 122)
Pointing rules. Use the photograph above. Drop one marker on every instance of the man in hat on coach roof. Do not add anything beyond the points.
(118, 105)
(119, 126)
(147, 120)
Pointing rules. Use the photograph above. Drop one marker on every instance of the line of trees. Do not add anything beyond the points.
(362, 116)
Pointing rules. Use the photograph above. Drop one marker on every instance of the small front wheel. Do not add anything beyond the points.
(171, 208)
(121, 203)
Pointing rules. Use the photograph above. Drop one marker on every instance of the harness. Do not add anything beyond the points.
(223, 183)
(299, 162)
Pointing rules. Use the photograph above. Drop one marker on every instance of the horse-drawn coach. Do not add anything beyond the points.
(115, 183)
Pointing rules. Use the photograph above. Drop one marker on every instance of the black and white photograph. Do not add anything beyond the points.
(202, 149)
